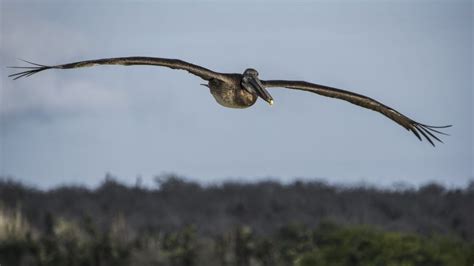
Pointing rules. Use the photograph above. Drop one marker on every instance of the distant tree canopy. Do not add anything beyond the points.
(264, 206)
(265, 223)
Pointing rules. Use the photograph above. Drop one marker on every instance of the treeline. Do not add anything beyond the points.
(266, 223)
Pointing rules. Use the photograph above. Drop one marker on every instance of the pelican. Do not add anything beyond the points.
(235, 90)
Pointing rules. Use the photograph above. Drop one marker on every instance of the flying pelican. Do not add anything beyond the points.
(242, 90)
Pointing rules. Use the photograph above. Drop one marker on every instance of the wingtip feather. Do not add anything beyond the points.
(31, 70)
(428, 131)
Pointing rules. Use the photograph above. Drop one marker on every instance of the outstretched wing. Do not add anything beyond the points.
(417, 128)
(202, 72)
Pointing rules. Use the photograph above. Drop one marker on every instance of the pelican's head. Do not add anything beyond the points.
(251, 72)
(252, 84)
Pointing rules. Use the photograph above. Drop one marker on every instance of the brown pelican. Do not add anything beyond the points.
(242, 90)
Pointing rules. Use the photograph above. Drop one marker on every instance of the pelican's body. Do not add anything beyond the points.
(242, 90)
(230, 93)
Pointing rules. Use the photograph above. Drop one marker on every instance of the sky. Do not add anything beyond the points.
(74, 126)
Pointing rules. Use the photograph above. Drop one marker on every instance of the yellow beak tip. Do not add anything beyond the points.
(271, 102)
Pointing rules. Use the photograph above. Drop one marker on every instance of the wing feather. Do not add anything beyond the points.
(202, 72)
(416, 128)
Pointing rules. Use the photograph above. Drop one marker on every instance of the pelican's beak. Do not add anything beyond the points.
(261, 91)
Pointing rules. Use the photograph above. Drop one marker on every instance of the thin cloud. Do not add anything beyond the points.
(53, 98)
(54, 95)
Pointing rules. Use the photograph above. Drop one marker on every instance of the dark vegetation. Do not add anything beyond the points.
(266, 223)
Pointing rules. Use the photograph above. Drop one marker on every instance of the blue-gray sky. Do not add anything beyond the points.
(74, 126)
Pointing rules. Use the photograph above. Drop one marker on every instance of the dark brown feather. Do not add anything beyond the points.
(202, 72)
(363, 101)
